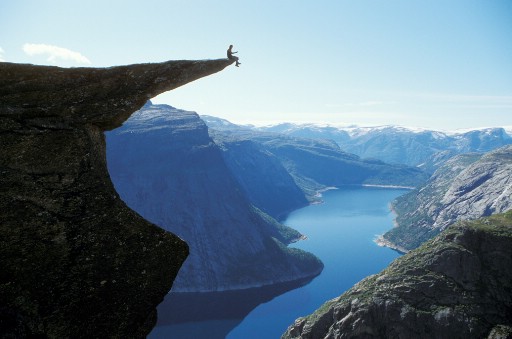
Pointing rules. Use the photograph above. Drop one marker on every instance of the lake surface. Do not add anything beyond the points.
(340, 232)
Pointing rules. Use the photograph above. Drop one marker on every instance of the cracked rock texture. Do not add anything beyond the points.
(75, 261)
(466, 187)
(457, 285)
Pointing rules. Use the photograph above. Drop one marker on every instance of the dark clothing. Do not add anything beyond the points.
(231, 56)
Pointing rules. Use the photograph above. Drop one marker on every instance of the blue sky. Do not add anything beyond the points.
(434, 64)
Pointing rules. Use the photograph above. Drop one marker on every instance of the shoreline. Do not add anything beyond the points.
(318, 195)
(379, 240)
(382, 242)
(389, 186)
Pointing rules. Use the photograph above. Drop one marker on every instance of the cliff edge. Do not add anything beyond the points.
(75, 261)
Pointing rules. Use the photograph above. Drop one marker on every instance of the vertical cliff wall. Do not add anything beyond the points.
(166, 167)
(75, 261)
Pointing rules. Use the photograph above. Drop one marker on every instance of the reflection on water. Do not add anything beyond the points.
(340, 232)
(212, 314)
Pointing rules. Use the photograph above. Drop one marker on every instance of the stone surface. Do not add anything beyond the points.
(467, 187)
(457, 285)
(75, 261)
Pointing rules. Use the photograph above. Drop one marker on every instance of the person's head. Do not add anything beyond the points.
(230, 46)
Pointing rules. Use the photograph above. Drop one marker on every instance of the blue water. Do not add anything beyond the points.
(340, 232)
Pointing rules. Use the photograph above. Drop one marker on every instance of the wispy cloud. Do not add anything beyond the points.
(1, 55)
(362, 104)
(55, 53)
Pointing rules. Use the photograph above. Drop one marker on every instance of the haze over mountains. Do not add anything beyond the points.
(426, 149)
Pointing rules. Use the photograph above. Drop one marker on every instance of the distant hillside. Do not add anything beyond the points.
(427, 149)
(266, 182)
(165, 166)
(466, 187)
(312, 163)
(417, 147)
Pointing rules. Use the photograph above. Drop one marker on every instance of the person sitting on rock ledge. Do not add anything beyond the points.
(232, 57)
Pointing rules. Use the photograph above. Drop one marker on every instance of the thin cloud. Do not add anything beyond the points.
(361, 104)
(2, 55)
(55, 53)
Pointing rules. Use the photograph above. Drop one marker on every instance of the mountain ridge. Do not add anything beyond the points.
(411, 146)
(466, 187)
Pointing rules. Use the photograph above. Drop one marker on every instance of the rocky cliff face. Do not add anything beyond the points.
(466, 187)
(458, 285)
(166, 167)
(75, 261)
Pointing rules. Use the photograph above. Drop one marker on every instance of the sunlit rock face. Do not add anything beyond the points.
(75, 261)
(466, 187)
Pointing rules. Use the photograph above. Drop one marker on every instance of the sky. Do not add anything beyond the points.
(437, 64)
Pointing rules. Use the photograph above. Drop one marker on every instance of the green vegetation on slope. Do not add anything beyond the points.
(457, 285)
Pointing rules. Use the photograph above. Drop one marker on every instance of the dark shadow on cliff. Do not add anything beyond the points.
(75, 261)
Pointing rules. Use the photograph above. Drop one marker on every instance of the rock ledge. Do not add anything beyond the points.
(75, 261)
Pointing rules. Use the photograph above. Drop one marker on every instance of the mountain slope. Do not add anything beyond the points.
(266, 182)
(312, 163)
(166, 167)
(396, 144)
(323, 162)
(466, 187)
(457, 285)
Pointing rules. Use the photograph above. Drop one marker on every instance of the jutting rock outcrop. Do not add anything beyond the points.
(457, 285)
(75, 261)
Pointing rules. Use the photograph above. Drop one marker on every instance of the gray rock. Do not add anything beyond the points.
(75, 261)
(466, 187)
(457, 285)
(426, 149)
